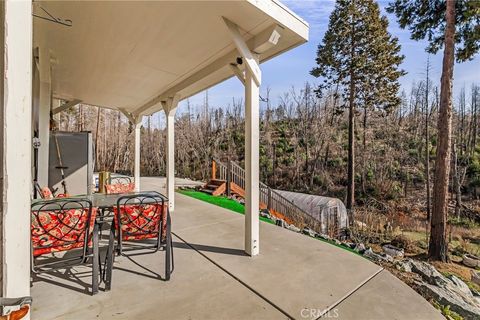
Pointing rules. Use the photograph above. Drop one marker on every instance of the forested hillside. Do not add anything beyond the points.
(304, 143)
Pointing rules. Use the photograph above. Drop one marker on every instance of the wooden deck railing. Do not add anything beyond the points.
(274, 201)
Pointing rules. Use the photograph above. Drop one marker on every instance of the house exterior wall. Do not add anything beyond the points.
(16, 147)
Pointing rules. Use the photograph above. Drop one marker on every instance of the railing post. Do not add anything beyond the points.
(214, 169)
(229, 179)
(269, 199)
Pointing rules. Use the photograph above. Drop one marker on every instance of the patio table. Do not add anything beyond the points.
(107, 201)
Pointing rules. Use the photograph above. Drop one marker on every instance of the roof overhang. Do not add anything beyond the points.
(133, 55)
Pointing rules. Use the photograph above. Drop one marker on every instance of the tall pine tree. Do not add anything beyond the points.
(358, 54)
(447, 23)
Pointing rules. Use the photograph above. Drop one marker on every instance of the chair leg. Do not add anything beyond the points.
(168, 251)
(95, 264)
(109, 260)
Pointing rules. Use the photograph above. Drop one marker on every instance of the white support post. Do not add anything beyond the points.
(170, 108)
(17, 147)
(253, 76)
(44, 115)
(138, 126)
(252, 180)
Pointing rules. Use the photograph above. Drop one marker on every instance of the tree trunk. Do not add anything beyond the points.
(351, 146)
(457, 182)
(438, 246)
(427, 141)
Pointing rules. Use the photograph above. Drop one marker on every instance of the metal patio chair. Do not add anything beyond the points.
(137, 217)
(120, 184)
(64, 225)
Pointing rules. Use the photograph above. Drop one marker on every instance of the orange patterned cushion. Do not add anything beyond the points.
(141, 221)
(60, 230)
(120, 188)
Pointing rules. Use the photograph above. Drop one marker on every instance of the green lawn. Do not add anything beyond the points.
(220, 201)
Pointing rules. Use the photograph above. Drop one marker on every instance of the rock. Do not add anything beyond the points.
(462, 286)
(323, 236)
(360, 248)
(466, 307)
(280, 223)
(403, 265)
(349, 245)
(393, 251)
(377, 257)
(429, 273)
(475, 277)
(471, 261)
(293, 228)
(450, 291)
(309, 232)
(265, 214)
(387, 257)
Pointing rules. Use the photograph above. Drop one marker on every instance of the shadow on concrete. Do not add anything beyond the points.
(201, 247)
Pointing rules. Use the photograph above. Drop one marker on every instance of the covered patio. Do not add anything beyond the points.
(294, 277)
(140, 58)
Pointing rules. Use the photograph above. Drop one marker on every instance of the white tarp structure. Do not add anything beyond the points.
(136, 57)
(331, 212)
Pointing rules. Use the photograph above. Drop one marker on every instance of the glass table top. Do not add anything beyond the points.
(100, 200)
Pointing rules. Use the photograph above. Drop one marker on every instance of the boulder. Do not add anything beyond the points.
(265, 214)
(462, 286)
(393, 251)
(309, 232)
(360, 248)
(403, 265)
(323, 236)
(449, 290)
(293, 228)
(429, 273)
(475, 277)
(464, 306)
(349, 245)
(471, 261)
(377, 257)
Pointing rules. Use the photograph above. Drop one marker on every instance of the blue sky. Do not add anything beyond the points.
(292, 68)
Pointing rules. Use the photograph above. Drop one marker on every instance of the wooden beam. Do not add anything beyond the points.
(133, 120)
(268, 39)
(239, 73)
(66, 105)
(244, 50)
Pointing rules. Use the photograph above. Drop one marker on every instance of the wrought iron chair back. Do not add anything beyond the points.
(120, 180)
(64, 224)
(141, 216)
(120, 184)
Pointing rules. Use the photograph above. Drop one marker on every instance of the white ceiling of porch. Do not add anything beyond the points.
(124, 54)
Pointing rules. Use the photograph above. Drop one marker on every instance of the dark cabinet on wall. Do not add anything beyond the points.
(71, 161)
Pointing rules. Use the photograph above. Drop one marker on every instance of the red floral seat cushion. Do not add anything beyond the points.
(120, 188)
(140, 221)
(53, 231)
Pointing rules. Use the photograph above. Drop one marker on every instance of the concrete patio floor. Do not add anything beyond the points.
(293, 277)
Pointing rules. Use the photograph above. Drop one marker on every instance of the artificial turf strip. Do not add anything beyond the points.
(233, 205)
(220, 201)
